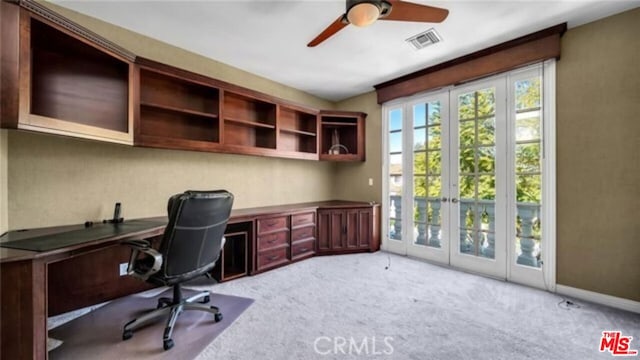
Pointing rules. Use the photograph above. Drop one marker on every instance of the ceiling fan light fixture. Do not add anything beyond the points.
(364, 13)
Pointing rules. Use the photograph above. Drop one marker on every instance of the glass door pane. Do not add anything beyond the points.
(395, 179)
(528, 170)
(427, 174)
(477, 172)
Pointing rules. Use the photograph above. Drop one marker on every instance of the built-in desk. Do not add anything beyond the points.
(38, 284)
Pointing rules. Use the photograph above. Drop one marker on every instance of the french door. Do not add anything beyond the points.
(464, 177)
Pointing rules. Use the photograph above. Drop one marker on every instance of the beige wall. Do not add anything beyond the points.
(352, 180)
(4, 211)
(598, 124)
(56, 180)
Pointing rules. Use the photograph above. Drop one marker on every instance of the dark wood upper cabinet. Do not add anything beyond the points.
(68, 84)
(298, 130)
(175, 110)
(342, 136)
(60, 78)
(248, 121)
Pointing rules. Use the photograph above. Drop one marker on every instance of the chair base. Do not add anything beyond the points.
(172, 307)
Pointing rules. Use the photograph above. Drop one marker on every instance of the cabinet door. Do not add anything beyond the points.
(352, 232)
(365, 226)
(324, 231)
(338, 230)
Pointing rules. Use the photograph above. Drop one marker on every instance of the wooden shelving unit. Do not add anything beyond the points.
(176, 108)
(342, 136)
(248, 121)
(298, 130)
(67, 80)
(69, 86)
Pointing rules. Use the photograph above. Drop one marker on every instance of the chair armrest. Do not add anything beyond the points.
(142, 246)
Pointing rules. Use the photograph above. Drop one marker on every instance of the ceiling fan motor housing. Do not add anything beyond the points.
(383, 6)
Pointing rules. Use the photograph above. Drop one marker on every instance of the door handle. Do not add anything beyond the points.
(444, 199)
(454, 200)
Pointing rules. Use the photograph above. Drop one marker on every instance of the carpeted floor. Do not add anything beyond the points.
(349, 306)
(424, 311)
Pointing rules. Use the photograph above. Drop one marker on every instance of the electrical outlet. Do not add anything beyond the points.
(123, 269)
(370, 181)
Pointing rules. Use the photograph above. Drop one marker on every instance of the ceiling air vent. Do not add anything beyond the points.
(424, 39)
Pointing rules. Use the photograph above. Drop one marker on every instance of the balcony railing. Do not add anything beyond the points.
(428, 228)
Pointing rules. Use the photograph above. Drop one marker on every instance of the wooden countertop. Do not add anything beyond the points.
(237, 215)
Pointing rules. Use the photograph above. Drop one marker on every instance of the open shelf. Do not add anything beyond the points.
(337, 124)
(249, 121)
(298, 130)
(342, 136)
(234, 259)
(76, 82)
(159, 122)
(177, 94)
(178, 110)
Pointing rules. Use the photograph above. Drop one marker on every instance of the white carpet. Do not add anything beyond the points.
(326, 306)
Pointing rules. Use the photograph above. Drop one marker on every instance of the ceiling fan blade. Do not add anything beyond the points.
(328, 32)
(406, 11)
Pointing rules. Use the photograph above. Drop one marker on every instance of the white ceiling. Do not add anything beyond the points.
(269, 38)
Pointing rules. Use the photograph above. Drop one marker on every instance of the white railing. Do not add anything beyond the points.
(428, 226)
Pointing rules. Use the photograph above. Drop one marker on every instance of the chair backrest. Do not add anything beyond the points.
(193, 237)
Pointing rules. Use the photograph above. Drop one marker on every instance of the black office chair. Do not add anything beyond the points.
(190, 247)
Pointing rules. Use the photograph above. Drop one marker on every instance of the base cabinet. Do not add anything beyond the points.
(283, 238)
(348, 230)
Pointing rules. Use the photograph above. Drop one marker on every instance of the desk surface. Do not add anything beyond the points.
(237, 215)
(96, 232)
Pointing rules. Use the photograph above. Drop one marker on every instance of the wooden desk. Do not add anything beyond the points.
(23, 285)
(34, 285)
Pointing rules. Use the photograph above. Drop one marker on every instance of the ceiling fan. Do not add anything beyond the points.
(365, 12)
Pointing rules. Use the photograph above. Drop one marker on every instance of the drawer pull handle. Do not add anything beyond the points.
(272, 223)
(272, 257)
(303, 249)
(272, 240)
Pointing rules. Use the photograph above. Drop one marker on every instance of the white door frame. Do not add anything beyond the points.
(548, 268)
(496, 267)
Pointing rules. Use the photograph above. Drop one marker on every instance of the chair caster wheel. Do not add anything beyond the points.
(218, 317)
(167, 344)
(205, 300)
(127, 334)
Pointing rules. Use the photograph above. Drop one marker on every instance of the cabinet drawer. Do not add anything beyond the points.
(303, 219)
(273, 257)
(303, 248)
(272, 240)
(303, 233)
(272, 224)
